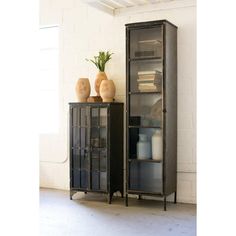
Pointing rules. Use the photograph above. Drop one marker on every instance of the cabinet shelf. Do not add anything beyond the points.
(157, 59)
(146, 160)
(132, 191)
(143, 127)
(90, 148)
(146, 92)
(90, 127)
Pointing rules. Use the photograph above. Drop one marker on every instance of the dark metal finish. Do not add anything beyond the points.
(96, 150)
(175, 197)
(170, 92)
(126, 199)
(165, 203)
(168, 33)
(149, 24)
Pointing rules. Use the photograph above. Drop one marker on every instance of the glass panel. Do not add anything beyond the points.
(84, 159)
(146, 76)
(84, 117)
(103, 181)
(99, 117)
(84, 179)
(95, 180)
(99, 177)
(140, 143)
(76, 159)
(98, 137)
(75, 117)
(146, 42)
(95, 116)
(80, 178)
(76, 178)
(84, 138)
(145, 110)
(99, 164)
(99, 168)
(103, 116)
(99, 160)
(76, 137)
(145, 176)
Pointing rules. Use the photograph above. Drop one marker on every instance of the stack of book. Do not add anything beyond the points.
(148, 80)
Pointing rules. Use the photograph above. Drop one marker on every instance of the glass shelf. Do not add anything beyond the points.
(143, 127)
(147, 160)
(146, 92)
(145, 176)
(157, 59)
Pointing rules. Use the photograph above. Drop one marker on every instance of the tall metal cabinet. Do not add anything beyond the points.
(151, 107)
(96, 148)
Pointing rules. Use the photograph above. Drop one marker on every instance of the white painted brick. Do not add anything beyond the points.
(185, 120)
(62, 4)
(185, 137)
(186, 186)
(186, 102)
(185, 153)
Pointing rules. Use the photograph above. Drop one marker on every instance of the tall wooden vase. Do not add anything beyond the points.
(99, 78)
(82, 89)
(107, 90)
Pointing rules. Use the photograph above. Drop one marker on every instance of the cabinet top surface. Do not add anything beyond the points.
(148, 23)
(96, 103)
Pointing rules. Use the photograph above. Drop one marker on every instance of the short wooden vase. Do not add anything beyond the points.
(107, 90)
(82, 89)
(99, 78)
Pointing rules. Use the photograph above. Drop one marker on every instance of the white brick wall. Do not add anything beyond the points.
(85, 31)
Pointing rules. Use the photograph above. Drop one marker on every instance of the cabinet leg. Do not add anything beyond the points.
(165, 203)
(175, 198)
(122, 194)
(110, 197)
(126, 199)
(71, 194)
(139, 197)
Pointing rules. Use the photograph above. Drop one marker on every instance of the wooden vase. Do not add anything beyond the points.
(82, 89)
(99, 78)
(107, 90)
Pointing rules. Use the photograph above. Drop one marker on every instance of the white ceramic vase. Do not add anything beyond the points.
(82, 89)
(157, 145)
(143, 148)
(107, 90)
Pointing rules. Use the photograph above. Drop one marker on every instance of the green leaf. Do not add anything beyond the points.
(101, 60)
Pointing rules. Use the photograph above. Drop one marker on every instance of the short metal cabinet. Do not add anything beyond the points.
(151, 105)
(96, 148)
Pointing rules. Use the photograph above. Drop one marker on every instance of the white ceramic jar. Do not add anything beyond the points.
(157, 145)
(143, 147)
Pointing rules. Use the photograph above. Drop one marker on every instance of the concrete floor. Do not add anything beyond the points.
(91, 215)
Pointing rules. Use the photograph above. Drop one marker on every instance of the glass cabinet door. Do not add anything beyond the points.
(99, 148)
(80, 147)
(145, 108)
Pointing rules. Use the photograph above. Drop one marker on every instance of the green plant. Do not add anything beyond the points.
(101, 60)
